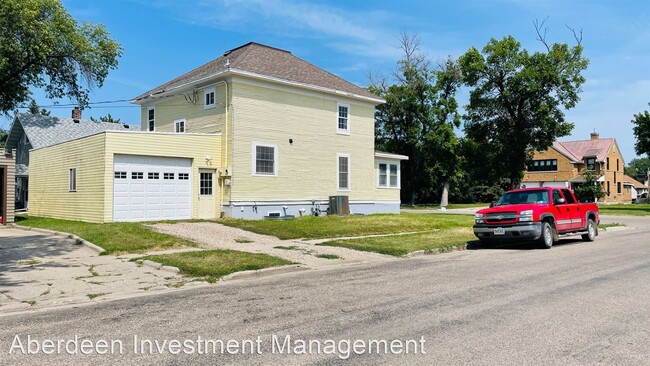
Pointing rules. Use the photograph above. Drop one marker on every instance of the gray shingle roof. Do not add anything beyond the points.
(45, 131)
(258, 59)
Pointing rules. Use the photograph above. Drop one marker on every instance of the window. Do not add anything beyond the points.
(183, 176)
(388, 175)
(542, 165)
(617, 167)
(343, 124)
(168, 176)
(568, 196)
(120, 175)
(343, 172)
(179, 126)
(73, 180)
(618, 187)
(265, 159)
(151, 175)
(608, 163)
(209, 98)
(151, 119)
(137, 175)
(556, 196)
(591, 163)
(608, 190)
(614, 177)
(205, 184)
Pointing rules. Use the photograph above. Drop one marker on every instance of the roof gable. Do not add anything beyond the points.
(583, 149)
(45, 131)
(263, 61)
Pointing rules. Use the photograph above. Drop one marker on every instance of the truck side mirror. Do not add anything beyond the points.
(491, 204)
(559, 201)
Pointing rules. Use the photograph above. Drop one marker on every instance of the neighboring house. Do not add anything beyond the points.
(35, 131)
(564, 164)
(7, 179)
(633, 186)
(257, 132)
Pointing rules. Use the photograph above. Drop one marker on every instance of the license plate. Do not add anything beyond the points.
(499, 231)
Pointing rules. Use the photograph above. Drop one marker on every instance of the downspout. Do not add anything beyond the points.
(225, 161)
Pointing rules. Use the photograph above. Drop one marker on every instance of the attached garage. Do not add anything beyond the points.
(151, 188)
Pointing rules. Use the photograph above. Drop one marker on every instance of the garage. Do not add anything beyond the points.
(151, 188)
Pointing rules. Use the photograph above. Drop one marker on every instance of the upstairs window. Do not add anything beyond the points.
(591, 163)
(549, 165)
(179, 126)
(343, 120)
(151, 120)
(209, 98)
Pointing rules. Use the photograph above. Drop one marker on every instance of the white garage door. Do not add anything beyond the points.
(147, 188)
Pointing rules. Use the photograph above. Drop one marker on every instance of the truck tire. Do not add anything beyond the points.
(546, 239)
(591, 231)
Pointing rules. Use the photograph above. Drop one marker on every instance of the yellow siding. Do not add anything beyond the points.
(49, 193)
(195, 147)
(9, 163)
(307, 167)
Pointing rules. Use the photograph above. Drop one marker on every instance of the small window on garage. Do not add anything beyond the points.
(168, 176)
(183, 176)
(205, 187)
(73, 180)
(152, 175)
(120, 175)
(137, 175)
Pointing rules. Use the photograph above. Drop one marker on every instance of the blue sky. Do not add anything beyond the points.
(165, 38)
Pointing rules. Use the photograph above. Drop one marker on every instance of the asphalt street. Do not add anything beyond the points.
(577, 303)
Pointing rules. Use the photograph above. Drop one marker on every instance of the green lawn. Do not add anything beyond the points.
(213, 264)
(115, 238)
(430, 206)
(323, 227)
(403, 244)
(632, 209)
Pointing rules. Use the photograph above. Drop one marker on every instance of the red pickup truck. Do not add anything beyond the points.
(540, 214)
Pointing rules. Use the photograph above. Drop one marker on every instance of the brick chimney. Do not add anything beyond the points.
(76, 113)
(595, 136)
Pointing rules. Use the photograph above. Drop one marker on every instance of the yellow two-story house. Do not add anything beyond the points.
(257, 132)
(565, 163)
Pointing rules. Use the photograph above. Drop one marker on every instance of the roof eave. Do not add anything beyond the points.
(391, 156)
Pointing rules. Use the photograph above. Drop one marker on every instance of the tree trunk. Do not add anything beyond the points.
(444, 199)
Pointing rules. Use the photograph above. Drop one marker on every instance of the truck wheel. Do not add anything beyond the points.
(546, 239)
(591, 231)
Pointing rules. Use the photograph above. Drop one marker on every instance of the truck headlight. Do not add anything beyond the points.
(478, 218)
(526, 215)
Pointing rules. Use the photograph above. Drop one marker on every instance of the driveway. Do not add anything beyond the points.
(39, 270)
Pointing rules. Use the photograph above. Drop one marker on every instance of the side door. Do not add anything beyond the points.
(562, 212)
(574, 210)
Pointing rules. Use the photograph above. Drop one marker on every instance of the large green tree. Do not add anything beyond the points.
(518, 98)
(638, 169)
(35, 109)
(3, 137)
(641, 123)
(417, 120)
(42, 46)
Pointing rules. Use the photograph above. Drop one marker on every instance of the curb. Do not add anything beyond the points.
(160, 267)
(419, 253)
(77, 240)
(264, 272)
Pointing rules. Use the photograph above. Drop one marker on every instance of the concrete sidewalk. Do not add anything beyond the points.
(42, 271)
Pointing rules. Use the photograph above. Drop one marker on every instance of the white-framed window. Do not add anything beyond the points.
(209, 98)
(343, 171)
(205, 184)
(179, 125)
(388, 175)
(265, 159)
(343, 118)
(151, 119)
(72, 181)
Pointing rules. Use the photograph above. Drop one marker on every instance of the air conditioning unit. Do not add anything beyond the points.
(339, 205)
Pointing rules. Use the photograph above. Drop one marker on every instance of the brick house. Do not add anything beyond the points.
(564, 165)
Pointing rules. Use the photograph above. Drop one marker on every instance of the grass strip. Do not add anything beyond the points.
(213, 264)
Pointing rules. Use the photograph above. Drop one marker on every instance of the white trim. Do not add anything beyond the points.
(342, 131)
(131, 132)
(399, 174)
(179, 121)
(254, 159)
(149, 120)
(390, 156)
(338, 172)
(206, 91)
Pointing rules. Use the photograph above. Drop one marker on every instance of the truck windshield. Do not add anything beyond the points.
(516, 198)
